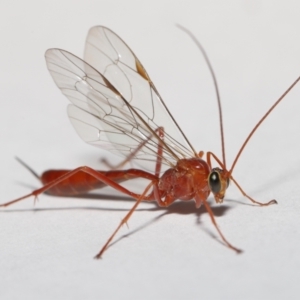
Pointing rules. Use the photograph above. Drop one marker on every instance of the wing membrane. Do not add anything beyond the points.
(111, 56)
(114, 103)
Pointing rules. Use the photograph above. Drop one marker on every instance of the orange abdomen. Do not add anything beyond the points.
(79, 183)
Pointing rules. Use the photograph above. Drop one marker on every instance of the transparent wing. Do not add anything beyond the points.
(110, 55)
(115, 105)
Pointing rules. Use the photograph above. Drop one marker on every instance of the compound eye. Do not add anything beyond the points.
(214, 182)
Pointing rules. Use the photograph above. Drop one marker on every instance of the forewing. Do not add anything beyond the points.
(100, 114)
(115, 104)
(111, 56)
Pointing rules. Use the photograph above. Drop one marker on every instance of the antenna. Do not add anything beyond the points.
(259, 122)
(215, 85)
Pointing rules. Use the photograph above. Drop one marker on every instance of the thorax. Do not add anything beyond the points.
(186, 179)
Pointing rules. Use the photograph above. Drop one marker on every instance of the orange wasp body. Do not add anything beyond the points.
(116, 106)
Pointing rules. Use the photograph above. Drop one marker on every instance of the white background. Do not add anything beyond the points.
(46, 250)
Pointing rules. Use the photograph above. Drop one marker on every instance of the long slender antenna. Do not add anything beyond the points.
(215, 85)
(259, 122)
